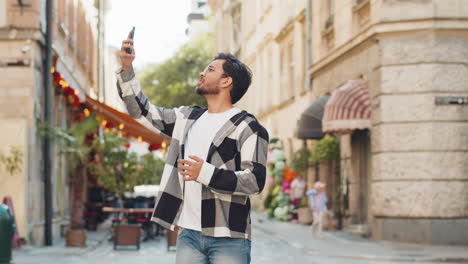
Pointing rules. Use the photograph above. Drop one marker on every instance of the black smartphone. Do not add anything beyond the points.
(132, 33)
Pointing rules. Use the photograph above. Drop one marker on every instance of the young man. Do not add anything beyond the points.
(216, 159)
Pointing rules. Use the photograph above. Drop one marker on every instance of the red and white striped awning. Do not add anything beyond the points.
(348, 108)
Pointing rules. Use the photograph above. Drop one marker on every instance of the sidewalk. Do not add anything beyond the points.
(93, 241)
(273, 242)
(338, 244)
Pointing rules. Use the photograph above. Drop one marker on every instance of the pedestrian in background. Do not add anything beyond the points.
(298, 187)
(318, 201)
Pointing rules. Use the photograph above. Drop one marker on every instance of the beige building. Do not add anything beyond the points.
(405, 171)
(22, 25)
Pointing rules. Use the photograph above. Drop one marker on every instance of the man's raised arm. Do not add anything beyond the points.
(158, 119)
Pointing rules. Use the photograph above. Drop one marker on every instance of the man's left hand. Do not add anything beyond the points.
(190, 169)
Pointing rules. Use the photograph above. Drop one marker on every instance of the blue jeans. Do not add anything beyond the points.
(193, 247)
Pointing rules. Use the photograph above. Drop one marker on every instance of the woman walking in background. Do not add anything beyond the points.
(298, 187)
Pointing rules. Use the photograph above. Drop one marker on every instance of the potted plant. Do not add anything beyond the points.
(78, 143)
(328, 150)
(277, 202)
(300, 162)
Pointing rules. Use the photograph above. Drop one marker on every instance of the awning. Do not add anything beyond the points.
(77, 99)
(310, 124)
(129, 125)
(349, 108)
(61, 67)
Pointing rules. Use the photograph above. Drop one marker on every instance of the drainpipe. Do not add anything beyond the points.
(308, 52)
(101, 51)
(48, 118)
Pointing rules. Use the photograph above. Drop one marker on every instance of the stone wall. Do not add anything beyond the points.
(420, 149)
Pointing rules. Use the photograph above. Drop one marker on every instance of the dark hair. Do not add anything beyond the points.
(239, 72)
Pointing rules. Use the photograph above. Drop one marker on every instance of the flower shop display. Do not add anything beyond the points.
(278, 200)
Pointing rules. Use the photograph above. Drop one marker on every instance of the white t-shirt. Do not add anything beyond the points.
(199, 139)
(298, 188)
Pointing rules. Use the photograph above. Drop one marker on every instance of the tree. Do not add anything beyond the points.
(117, 168)
(152, 168)
(172, 83)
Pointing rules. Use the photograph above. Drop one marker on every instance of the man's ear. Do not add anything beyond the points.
(226, 82)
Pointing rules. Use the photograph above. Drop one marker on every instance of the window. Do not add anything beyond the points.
(269, 77)
(61, 10)
(82, 36)
(303, 56)
(263, 84)
(291, 82)
(328, 32)
(62, 17)
(329, 9)
(361, 14)
(90, 53)
(236, 29)
(72, 10)
(3, 13)
(283, 74)
(288, 68)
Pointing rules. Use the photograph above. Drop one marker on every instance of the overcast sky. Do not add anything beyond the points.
(160, 27)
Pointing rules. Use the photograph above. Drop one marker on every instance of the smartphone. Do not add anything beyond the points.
(132, 33)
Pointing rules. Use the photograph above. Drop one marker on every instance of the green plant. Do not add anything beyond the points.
(73, 140)
(268, 200)
(79, 143)
(327, 148)
(171, 83)
(13, 161)
(300, 160)
(116, 168)
(152, 168)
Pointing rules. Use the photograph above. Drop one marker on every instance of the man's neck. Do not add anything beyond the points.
(215, 105)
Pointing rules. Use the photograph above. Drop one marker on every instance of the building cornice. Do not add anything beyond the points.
(266, 39)
(301, 16)
(285, 30)
(371, 32)
(288, 27)
(21, 33)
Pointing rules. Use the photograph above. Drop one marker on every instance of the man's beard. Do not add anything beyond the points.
(206, 91)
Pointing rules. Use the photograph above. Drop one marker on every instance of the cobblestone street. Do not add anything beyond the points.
(274, 242)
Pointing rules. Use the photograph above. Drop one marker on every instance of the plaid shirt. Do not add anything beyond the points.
(233, 169)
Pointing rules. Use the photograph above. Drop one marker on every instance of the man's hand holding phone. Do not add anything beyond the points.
(127, 51)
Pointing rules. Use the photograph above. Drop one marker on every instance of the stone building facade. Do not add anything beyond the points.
(22, 28)
(406, 176)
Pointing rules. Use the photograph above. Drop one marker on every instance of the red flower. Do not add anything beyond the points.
(154, 146)
(79, 117)
(76, 101)
(68, 91)
(127, 145)
(109, 125)
(56, 76)
(90, 136)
